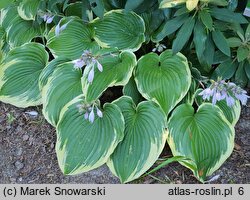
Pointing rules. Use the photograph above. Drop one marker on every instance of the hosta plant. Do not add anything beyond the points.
(120, 80)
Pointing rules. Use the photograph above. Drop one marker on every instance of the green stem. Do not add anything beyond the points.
(42, 34)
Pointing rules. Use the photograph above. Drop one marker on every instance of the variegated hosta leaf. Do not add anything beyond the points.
(63, 85)
(2, 33)
(49, 69)
(165, 79)
(205, 137)
(5, 48)
(231, 113)
(145, 137)
(83, 146)
(4, 4)
(171, 3)
(191, 4)
(27, 9)
(116, 71)
(130, 89)
(72, 39)
(18, 30)
(119, 29)
(19, 73)
(2, 43)
(74, 9)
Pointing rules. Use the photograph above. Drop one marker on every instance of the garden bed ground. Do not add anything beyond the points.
(27, 154)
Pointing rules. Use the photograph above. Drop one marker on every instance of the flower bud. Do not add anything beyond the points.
(99, 66)
(59, 28)
(86, 115)
(99, 113)
(91, 75)
(91, 116)
(49, 19)
(78, 63)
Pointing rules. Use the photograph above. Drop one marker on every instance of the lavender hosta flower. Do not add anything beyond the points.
(207, 93)
(242, 97)
(221, 90)
(90, 61)
(78, 63)
(218, 96)
(86, 115)
(99, 113)
(47, 18)
(91, 75)
(230, 100)
(91, 116)
(239, 93)
(214, 99)
(159, 47)
(89, 111)
(86, 53)
(59, 29)
(99, 66)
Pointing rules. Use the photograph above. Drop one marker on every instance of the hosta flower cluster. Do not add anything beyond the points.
(87, 59)
(89, 111)
(121, 80)
(225, 90)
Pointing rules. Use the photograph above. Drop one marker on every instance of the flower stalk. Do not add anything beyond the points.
(222, 90)
(89, 60)
(90, 111)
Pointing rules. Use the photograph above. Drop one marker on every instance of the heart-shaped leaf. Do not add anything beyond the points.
(206, 137)
(63, 85)
(19, 73)
(116, 72)
(83, 146)
(145, 137)
(164, 79)
(119, 29)
(72, 40)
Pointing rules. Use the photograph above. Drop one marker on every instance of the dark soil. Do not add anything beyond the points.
(27, 154)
